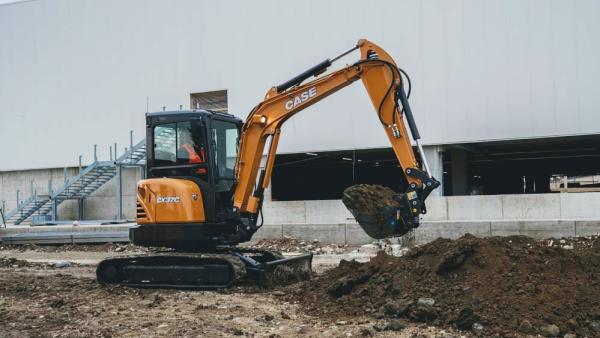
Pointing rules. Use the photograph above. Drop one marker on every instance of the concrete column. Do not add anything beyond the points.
(433, 154)
(460, 178)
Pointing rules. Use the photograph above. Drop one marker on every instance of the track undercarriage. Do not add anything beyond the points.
(221, 268)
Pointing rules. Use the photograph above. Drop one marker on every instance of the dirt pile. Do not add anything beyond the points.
(492, 286)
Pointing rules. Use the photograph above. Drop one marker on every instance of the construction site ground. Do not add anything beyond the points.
(51, 291)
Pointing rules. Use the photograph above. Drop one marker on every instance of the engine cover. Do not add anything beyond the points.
(169, 200)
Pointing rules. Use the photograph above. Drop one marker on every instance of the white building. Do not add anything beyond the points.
(505, 92)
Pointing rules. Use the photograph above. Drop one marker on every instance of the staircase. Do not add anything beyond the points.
(76, 188)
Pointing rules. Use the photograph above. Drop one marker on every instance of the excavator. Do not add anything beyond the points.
(205, 184)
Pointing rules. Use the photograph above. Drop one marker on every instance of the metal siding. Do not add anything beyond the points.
(77, 72)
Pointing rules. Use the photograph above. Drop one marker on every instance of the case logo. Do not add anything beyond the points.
(303, 97)
(167, 199)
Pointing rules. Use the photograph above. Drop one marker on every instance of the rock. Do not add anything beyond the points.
(395, 325)
(572, 323)
(395, 249)
(379, 314)
(119, 249)
(285, 315)
(477, 327)
(529, 287)
(426, 301)
(525, 327)
(269, 318)
(62, 264)
(395, 308)
(364, 332)
(238, 332)
(278, 293)
(341, 322)
(423, 313)
(302, 329)
(465, 319)
(570, 335)
(550, 331)
(595, 326)
(56, 303)
(378, 327)
(369, 249)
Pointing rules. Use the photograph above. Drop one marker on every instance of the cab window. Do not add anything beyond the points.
(179, 143)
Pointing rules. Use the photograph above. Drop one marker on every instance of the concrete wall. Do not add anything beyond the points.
(11, 181)
(88, 70)
(539, 216)
(352, 234)
(564, 206)
(101, 205)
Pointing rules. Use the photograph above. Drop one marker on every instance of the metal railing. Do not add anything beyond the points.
(80, 186)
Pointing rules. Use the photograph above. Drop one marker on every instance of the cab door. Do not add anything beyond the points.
(224, 140)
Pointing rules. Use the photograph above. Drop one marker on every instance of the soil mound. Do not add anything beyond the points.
(492, 286)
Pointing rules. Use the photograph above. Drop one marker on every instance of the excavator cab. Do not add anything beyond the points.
(186, 200)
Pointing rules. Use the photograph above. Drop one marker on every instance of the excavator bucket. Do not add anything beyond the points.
(377, 210)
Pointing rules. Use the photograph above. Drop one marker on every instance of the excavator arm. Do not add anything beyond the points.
(382, 80)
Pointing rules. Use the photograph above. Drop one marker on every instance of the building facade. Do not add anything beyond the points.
(504, 92)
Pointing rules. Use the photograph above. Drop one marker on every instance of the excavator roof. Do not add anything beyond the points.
(191, 113)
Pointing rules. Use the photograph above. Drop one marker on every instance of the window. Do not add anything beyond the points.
(215, 100)
(225, 137)
(165, 140)
(179, 143)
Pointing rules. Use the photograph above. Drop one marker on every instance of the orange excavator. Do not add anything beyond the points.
(204, 191)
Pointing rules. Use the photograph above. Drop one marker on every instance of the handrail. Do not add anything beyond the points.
(19, 207)
(128, 155)
(75, 179)
(2, 215)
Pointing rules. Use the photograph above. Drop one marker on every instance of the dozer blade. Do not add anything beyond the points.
(377, 210)
(270, 268)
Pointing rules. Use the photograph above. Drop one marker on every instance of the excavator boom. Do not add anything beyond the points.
(383, 81)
